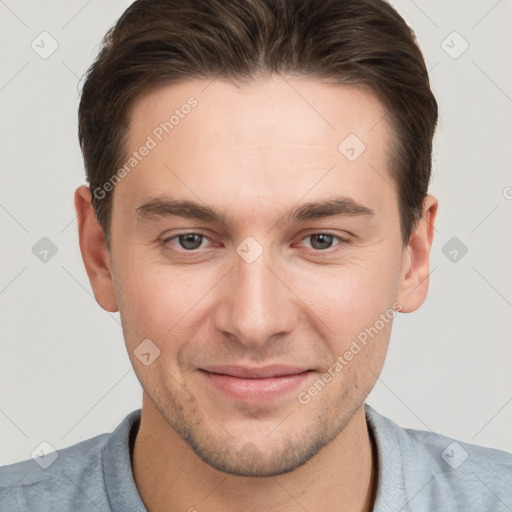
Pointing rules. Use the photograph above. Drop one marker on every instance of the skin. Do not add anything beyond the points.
(253, 151)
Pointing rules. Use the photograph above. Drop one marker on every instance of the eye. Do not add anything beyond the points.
(187, 241)
(322, 241)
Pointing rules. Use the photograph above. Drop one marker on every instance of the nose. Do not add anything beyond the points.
(257, 303)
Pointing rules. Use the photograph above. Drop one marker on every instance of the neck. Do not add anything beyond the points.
(171, 477)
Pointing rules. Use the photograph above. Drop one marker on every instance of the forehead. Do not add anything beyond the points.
(300, 110)
(281, 138)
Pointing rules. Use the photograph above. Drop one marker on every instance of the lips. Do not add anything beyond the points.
(254, 385)
(246, 372)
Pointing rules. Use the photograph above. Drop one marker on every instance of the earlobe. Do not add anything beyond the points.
(414, 278)
(94, 250)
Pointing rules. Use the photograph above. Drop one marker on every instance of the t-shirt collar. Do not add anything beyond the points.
(123, 493)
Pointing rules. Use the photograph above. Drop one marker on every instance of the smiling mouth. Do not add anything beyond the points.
(252, 384)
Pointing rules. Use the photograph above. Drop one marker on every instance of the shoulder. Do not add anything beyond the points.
(86, 476)
(439, 470)
(56, 477)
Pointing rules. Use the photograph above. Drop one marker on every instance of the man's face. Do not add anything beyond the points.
(263, 287)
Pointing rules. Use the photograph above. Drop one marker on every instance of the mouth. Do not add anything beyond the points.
(255, 384)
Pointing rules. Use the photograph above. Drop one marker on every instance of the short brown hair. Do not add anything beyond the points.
(159, 42)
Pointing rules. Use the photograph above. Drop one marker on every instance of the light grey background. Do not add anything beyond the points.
(64, 372)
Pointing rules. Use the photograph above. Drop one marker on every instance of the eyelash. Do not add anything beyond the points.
(196, 252)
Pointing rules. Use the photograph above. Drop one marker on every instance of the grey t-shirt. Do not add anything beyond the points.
(418, 471)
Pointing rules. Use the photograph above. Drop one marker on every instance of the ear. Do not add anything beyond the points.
(94, 250)
(414, 276)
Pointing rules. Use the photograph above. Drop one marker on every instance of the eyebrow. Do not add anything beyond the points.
(162, 207)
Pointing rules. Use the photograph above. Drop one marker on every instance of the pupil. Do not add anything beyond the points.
(190, 241)
(325, 241)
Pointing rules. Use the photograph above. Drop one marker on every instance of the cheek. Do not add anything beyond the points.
(348, 298)
(157, 301)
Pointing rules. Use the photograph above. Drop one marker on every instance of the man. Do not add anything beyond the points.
(258, 211)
